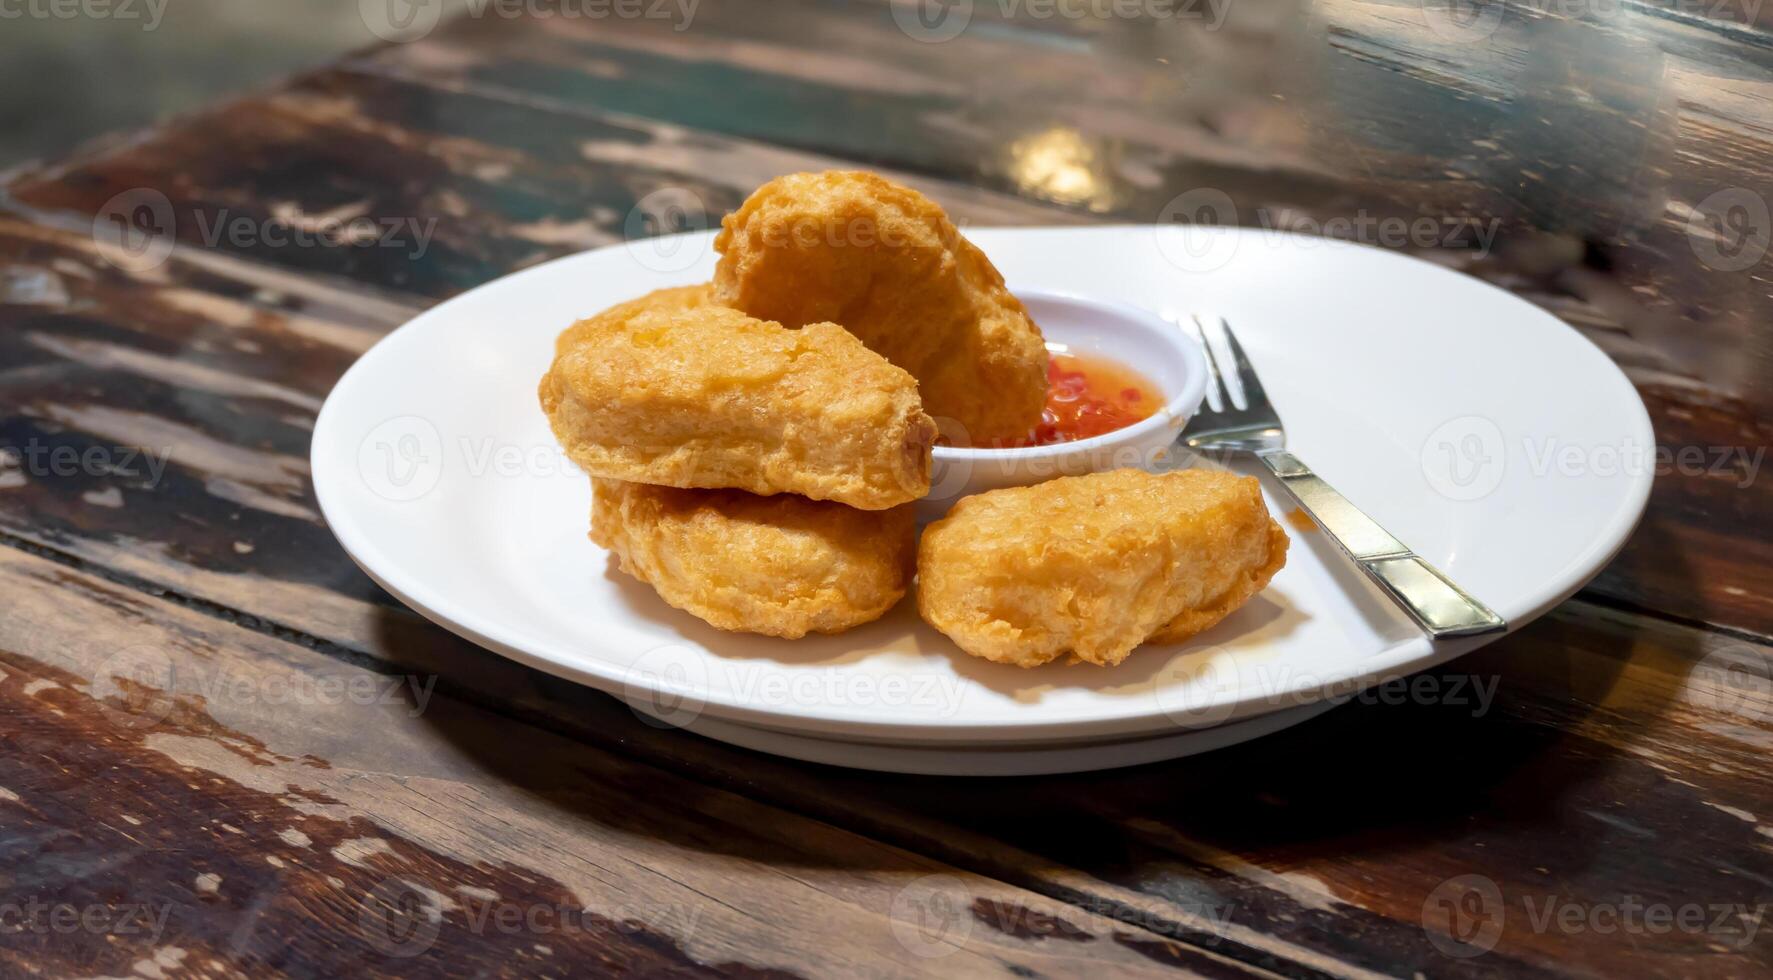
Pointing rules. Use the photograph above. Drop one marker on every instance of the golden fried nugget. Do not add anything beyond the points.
(661, 300)
(1096, 565)
(886, 263)
(709, 397)
(781, 566)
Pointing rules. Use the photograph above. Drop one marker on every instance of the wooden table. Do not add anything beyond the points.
(326, 784)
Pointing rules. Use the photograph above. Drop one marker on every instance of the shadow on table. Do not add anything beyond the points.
(1523, 733)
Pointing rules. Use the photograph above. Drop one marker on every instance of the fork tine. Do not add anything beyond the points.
(1216, 396)
(1254, 396)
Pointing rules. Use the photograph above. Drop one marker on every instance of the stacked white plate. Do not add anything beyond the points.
(1492, 438)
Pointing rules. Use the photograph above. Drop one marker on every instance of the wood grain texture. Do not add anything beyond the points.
(1614, 710)
(423, 192)
(1616, 762)
(271, 809)
(512, 180)
(1594, 760)
(1615, 187)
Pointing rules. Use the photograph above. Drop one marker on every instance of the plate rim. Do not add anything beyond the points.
(1406, 657)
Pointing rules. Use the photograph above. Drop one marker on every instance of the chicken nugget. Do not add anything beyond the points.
(781, 566)
(709, 397)
(886, 263)
(668, 300)
(1095, 565)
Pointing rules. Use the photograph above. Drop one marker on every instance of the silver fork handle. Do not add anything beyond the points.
(1432, 600)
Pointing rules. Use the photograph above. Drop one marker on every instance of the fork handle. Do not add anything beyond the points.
(1432, 600)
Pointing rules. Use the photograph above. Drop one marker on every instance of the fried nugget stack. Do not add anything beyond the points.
(759, 478)
(752, 461)
(755, 445)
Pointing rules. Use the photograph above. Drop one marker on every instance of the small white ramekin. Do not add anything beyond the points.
(1161, 351)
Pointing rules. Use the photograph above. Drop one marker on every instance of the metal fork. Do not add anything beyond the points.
(1224, 424)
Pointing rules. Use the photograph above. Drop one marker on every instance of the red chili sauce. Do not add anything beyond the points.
(1089, 396)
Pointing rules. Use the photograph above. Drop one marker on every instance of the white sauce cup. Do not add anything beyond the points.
(1151, 346)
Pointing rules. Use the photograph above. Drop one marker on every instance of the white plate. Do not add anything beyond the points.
(1004, 760)
(1498, 442)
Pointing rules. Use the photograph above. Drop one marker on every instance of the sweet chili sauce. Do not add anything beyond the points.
(1089, 396)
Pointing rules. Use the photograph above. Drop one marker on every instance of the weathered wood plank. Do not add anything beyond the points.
(1541, 165)
(1606, 707)
(1542, 765)
(214, 801)
(1715, 444)
(521, 141)
(421, 191)
(1620, 763)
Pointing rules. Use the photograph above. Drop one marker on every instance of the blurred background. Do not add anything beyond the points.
(1611, 149)
(149, 59)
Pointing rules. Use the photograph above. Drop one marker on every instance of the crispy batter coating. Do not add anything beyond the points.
(709, 397)
(886, 263)
(668, 300)
(1096, 565)
(781, 566)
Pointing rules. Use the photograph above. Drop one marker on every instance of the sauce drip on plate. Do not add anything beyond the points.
(1088, 396)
